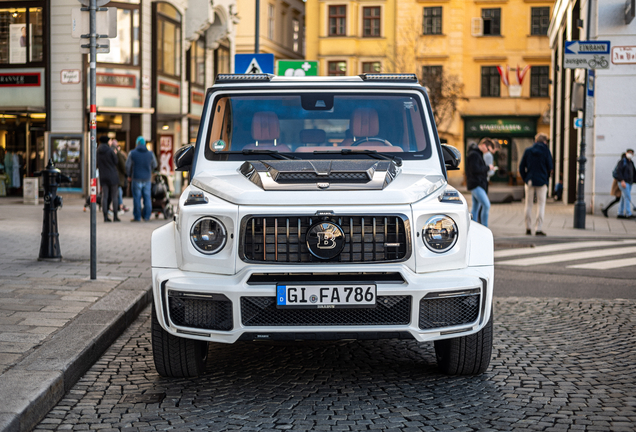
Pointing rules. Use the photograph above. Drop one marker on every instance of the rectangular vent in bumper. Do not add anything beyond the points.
(262, 311)
(209, 312)
(448, 311)
(368, 239)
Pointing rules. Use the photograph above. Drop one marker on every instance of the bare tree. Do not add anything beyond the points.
(445, 90)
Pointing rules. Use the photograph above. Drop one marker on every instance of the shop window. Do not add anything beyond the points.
(168, 40)
(124, 49)
(540, 21)
(432, 23)
(337, 20)
(371, 67)
(489, 81)
(197, 62)
(337, 68)
(539, 81)
(492, 21)
(371, 21)
(22, 34)
(222, 58)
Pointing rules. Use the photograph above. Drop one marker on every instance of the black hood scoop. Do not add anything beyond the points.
(320, 174)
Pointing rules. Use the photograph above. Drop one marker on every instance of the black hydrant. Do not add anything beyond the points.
(50, 244)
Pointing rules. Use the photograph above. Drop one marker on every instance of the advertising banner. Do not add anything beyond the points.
(165, 154)
(67, 155)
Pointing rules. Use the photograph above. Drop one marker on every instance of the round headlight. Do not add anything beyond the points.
(208, 235)
(440, 233)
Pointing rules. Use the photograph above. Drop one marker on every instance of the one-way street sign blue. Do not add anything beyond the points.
(587, 47)
(587, 55)
(253, 63)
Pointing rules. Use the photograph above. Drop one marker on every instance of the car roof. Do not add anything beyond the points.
(269, 80)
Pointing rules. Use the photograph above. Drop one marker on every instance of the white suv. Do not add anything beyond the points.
(319, 208)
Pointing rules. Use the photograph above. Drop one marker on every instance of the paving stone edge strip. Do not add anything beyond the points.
(39, 381)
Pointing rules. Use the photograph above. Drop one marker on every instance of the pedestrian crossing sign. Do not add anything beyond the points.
(253, 63)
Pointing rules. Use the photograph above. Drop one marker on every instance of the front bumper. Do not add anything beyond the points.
(432, 306)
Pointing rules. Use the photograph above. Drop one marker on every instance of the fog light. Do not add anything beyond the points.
(440, 233)
(208, 235)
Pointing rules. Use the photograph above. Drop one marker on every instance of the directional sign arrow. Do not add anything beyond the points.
(572, 47)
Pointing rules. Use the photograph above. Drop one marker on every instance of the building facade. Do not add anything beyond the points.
(611, 112)
(151, 82)
(493, 55)
(281, 28)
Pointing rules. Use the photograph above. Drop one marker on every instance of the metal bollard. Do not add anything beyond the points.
(50, 244)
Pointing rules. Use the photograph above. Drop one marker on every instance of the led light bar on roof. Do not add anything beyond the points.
(408, 77)
(243, 77)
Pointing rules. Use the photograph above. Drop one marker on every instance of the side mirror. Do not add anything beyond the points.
(452, 157)
(183, 158)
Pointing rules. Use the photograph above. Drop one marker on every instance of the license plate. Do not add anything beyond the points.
(325, 296)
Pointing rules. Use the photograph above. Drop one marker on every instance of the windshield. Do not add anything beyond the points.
(317, 125)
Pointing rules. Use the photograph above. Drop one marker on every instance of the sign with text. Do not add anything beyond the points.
(624, 55)
(66, 152)
(165, 154)
(586, 55)
(70, 76)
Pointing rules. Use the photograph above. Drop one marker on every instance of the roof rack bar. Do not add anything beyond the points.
(408, 77)
(226, 78)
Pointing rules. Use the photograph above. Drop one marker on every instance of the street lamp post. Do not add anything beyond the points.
(257, 27)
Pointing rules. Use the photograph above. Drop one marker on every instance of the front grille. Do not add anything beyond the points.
(281, 239)
(312, 177)
(212, 312)
(262, 311)
(449, 311)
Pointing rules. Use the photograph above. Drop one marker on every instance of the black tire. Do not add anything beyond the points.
(176, 357)
(466, 355)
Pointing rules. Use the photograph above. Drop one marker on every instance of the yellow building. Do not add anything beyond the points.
(281, 26)
(447, 41)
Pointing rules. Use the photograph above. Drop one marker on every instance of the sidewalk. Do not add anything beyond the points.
(55, 322)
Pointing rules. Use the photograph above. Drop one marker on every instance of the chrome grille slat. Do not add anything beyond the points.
(366, 238)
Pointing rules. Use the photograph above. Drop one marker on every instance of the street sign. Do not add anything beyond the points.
(587, 55)
(297, 68)
(105, 20)
(624, 55)
(578, 123)
(99, 3)
(253, 63)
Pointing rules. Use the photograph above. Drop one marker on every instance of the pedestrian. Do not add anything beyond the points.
(121, 172)
(625, 174)
(489, 157)
(139, 166)
(108, 179)
(477, 180)
(535, 168)
(615, 191)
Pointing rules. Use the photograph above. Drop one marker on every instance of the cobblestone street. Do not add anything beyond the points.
(558, 365)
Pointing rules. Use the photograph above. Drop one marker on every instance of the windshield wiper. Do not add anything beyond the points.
(372, 153)
(274, 153)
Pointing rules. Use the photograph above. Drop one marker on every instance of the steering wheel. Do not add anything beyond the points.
(367, 139)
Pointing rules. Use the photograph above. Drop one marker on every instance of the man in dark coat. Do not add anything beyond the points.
(477, 180)
(108, 178)
(625, 176)
(535, 169)
(121, 170)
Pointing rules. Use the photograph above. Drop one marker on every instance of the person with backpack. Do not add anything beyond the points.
(625, 174)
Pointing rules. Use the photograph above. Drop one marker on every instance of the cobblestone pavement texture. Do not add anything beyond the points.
(558, 365)
(40, 301)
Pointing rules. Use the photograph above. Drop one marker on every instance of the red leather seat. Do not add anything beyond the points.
(364, 123)
(266, 132)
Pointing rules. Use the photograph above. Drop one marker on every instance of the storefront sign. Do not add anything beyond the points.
(70, 76)
(624, 55)
(66, 152)
(508, 126)
(116, 80)
(165, 154)
(19, 79)
(168, 89)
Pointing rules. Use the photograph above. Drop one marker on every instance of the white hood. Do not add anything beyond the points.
(225, 181)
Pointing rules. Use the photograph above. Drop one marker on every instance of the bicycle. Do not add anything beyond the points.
(598, 62)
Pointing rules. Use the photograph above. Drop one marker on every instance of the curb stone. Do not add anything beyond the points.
(39, 381)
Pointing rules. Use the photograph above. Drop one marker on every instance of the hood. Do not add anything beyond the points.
(103, 148)
(141, 144)
(254, 183)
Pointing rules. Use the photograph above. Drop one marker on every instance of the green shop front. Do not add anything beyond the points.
(514, 135)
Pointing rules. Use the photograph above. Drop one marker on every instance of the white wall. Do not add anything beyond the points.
(615, 101)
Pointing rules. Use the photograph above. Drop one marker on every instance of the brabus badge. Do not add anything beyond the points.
(325, 240)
